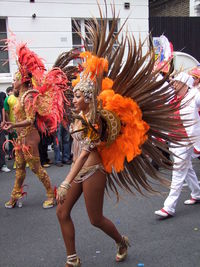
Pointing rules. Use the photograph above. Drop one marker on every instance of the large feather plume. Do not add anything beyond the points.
(134, 77)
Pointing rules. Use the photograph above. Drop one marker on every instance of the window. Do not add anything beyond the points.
(80, 25)
(4, 67)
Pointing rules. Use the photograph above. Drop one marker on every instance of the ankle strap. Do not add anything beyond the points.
(72, 257)
(124, 242)
(73, 260)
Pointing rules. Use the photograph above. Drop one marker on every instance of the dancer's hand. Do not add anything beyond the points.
(2, 124)
(8, 126)
(62, 192)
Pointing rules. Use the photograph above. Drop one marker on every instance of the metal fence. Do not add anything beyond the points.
(183, 32)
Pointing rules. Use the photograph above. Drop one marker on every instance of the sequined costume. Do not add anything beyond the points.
(79, 144)
(25, 147)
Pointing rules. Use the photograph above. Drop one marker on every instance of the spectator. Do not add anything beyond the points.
(43, 150)
(9, 104)
(62, 146)
(3, 166)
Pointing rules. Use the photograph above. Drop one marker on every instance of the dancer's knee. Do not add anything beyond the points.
(96, 221)
(62, 214)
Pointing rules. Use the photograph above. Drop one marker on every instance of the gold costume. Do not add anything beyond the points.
(26, 150)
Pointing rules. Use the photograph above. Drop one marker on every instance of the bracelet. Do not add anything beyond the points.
(65, 185)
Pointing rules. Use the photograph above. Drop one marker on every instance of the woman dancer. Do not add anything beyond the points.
(39, 107)
(121, 116)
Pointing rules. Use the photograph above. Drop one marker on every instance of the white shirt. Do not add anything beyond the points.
(190, 112)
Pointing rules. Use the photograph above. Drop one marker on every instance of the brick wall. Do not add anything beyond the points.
(170, 8)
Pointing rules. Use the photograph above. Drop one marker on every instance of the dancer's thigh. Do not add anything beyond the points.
(72, 196)
(93, 189)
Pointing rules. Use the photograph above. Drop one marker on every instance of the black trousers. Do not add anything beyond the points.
(43, 147)
(2, 153)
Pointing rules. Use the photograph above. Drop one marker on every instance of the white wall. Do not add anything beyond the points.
(50, 32)
(193, 5)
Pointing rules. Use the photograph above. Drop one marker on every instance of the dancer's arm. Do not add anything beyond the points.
(11, 125)
(66, 184)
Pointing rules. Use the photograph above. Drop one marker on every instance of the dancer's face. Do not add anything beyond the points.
(79, 102)
(16, 84)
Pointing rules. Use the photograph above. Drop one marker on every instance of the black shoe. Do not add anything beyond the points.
(48, 161)
(67, 162)
(59, 164)
(46, 165)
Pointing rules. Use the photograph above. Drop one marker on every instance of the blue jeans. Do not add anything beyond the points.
(62, 150)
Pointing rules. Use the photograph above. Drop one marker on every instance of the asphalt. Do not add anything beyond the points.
(30, 236)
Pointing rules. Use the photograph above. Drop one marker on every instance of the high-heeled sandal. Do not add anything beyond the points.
(73, 260)
(124, 244)
(49, 203)
(13, 203)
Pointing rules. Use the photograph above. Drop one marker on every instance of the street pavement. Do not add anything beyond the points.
(30, 236)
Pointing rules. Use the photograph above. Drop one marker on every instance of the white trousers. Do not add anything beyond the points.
(183, 172)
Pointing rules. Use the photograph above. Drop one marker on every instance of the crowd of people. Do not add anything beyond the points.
(123, 126)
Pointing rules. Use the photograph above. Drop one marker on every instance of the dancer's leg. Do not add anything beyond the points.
(93, 189)
(63, 213)
(20, 174)
(35, 166)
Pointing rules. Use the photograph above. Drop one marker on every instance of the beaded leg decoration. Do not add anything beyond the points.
(35, 166)
(124, 244)
(73, 260)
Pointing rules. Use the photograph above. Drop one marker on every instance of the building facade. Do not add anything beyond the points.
(48, 26)
(179, 20)
(174, 8)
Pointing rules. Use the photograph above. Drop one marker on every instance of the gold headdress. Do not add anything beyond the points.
(87, 87)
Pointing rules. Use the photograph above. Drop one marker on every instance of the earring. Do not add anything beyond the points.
(87, 100)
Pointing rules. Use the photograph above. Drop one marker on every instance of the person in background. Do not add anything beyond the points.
(3, 166)
(43, 150)
(195, 73)
(62, 146)
(9, 105)
(183, 171)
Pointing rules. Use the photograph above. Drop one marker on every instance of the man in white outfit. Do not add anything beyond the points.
(183, 170)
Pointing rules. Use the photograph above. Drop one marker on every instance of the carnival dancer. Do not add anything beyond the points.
(3, 166)
(39, 107)
(120, 116)
(183, 170)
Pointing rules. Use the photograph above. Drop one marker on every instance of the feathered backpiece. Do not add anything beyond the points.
(64, 62)
(49, 102)
(132, 104)
(55, 98)
(46, 88)
(30, 66)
